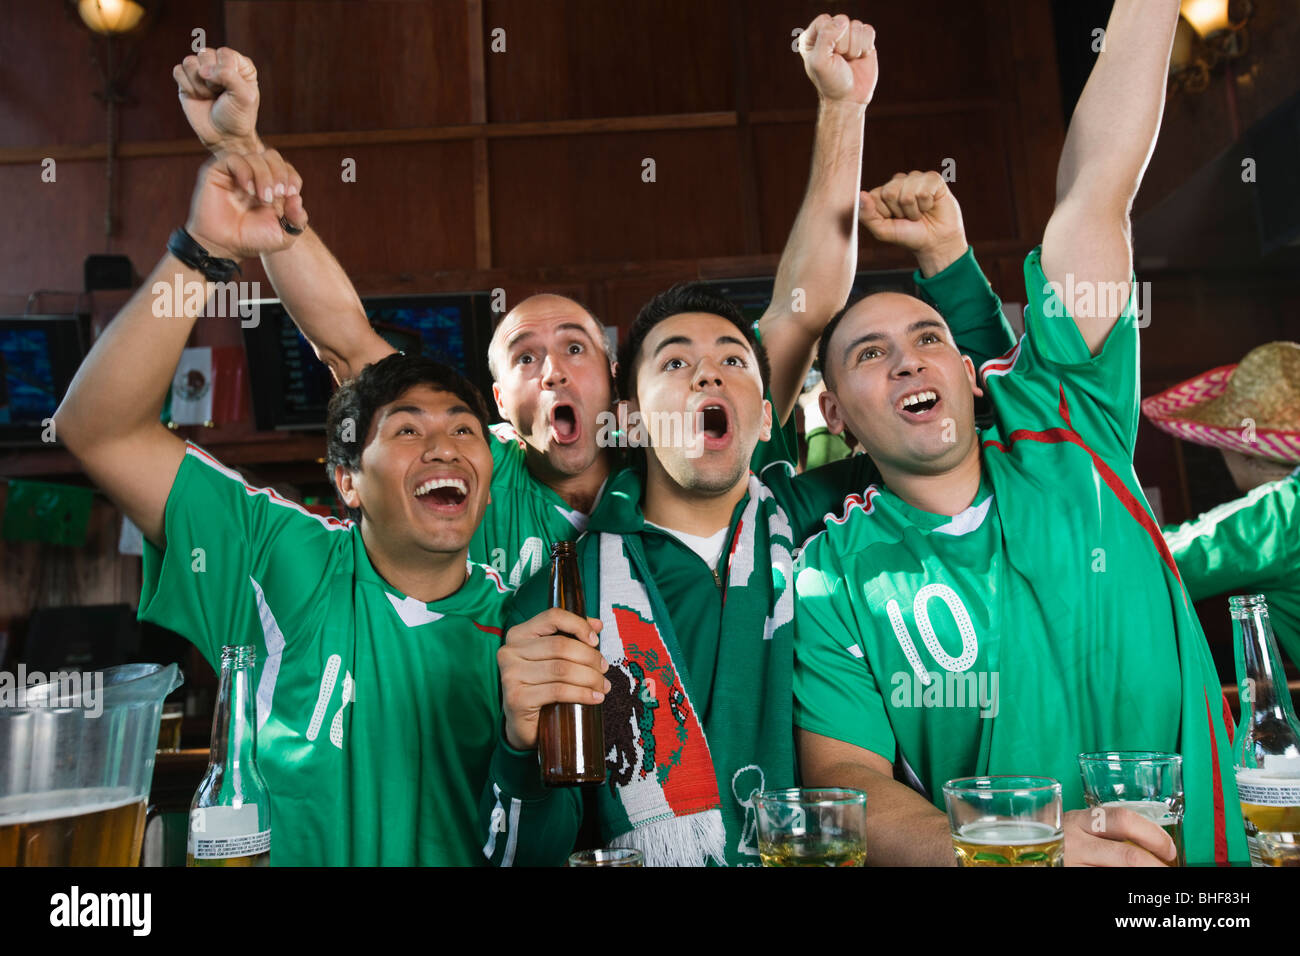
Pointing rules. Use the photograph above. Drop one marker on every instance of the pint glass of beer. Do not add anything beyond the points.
(611, 856)
(812, 827)
(1148, 782)
(1005, 821)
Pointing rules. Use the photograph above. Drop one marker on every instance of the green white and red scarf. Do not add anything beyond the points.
(678, 789)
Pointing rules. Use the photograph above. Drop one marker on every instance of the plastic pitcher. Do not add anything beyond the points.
(76, 763)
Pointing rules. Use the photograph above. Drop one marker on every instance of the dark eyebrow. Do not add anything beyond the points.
(421, 413)
(686, 340)
(880, 336)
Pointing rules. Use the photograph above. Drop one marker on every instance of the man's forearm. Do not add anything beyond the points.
(1113, 130)
(819, 260)
(903, 828)
(320, 299)
(120, 387)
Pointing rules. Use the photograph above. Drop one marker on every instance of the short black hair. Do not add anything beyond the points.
(356, 401)
(682, 298)
(824, 343)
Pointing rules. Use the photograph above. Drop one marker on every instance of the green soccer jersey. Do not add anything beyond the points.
(377, 713)
(1045, 620)
(1251, 545)
(962, 295)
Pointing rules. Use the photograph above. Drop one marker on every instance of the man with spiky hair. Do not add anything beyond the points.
(1024, 555)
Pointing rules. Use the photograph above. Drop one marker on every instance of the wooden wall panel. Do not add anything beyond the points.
(410, 209)
(928, 50)
(579, 199)
(573, 59)
(336, 65)
(48, 81)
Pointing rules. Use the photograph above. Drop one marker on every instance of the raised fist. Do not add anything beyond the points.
(242, 202)
(839, 56)
(918, 212)
(218, 91)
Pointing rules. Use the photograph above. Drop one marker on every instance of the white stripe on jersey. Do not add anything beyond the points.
(967, 521)
(412, 611)
(1208, 522)
(1003, 363)
(274, 638)
(329, 524)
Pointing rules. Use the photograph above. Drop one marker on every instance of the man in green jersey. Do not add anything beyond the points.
(548, 356)
(1003, 601)
(686, 565)
(1250, 412)
(377, 691)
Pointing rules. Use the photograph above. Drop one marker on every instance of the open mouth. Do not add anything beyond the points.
(443, 493)
(714, 421)
(918, 403)
(564, 423)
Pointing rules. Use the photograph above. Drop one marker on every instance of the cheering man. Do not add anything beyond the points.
(1019, 566)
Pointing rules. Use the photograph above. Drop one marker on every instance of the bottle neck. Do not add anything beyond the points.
(1261, 678)
(234, 727)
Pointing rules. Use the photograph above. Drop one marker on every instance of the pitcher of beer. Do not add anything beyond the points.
(76, 763)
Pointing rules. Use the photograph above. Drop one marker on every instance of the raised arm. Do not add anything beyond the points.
(1087, 247)
(109, 417)
(821, 255)
(219, 94)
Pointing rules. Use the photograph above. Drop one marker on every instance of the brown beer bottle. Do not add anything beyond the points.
(570, 740)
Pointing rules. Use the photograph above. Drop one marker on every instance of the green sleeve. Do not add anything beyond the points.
(241, 565)
(808, 498)
(835, 693)
(973, 311)
(527, 823)
(1053, 376)
(1246, 544)
(824, 448)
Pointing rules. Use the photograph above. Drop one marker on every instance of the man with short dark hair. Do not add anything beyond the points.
(1003, 600)
(377, 692)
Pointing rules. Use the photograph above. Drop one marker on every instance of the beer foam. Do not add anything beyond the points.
(56, 804)
(1157, 811)
(1008, 833)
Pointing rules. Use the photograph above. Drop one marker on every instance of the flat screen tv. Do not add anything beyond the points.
(39, 355)
(291, 387)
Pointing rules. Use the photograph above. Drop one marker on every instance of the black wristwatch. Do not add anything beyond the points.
(183, 246)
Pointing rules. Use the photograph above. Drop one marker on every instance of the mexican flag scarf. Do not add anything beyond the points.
(680, 783)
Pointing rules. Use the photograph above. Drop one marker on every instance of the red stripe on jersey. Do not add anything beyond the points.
(488, 630)
(1228, 722)
(1220, 831)
(271, 493)
(1113, 482)
(867, 505)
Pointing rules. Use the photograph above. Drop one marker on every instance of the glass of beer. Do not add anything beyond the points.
(1005, 821)
(1148, 782)
(825, 827)
(608, 856)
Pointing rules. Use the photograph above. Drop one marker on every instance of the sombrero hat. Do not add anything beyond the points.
(1252, 407)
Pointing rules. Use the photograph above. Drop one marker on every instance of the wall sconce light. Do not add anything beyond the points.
(110, 17)
(1209, 32)
(113, 23)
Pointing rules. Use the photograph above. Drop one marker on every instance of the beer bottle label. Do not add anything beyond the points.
(219, 833)
(1266, 788)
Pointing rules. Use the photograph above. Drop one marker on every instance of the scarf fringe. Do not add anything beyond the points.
(679, 841)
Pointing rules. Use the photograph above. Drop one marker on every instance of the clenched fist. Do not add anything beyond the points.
(839, 56)
(218, 91)
(242, 203)
(918, 212)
